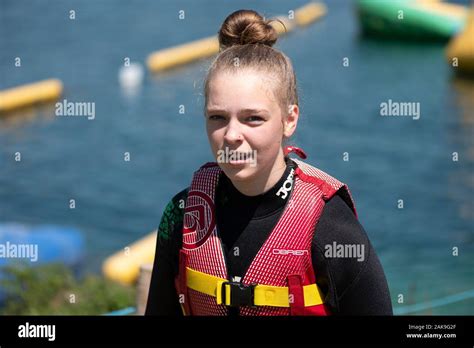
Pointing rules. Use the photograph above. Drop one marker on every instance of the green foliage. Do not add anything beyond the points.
(52, 289)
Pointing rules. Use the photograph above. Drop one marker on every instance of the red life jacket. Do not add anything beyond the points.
(281, 279)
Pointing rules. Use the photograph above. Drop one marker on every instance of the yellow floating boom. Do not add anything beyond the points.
(183, 54)
(124, 265)
(309, 13)
(207, 47)
(29, 94)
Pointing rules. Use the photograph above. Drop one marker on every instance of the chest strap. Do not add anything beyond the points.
(238, 294)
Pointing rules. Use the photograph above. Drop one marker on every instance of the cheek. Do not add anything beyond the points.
(215, 136)
(267, 139)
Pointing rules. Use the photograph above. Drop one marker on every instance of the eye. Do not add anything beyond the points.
(216, 117)
(255, 119)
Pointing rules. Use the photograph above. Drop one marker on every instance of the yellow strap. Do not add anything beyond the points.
(264, 295)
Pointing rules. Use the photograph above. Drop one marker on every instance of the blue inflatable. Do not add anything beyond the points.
(40, 244)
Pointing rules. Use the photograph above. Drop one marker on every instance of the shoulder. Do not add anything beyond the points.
(315, 172)
(173, 215)
(338, 221)
(329, 185)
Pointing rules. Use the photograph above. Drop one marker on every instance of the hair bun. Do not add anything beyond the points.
(246, 27)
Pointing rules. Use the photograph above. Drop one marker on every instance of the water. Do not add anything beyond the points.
(118, 202)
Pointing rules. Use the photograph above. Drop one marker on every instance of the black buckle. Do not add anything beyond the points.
(240, 294)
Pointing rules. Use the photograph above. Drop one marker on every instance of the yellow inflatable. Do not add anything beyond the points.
(460, 51)
(29, 94)
(124, 265)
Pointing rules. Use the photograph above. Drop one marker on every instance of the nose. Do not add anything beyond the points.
(233, 133)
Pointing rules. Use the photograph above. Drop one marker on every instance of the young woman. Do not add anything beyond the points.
(258, 233)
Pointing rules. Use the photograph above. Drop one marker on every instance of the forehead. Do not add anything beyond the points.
(242, 90)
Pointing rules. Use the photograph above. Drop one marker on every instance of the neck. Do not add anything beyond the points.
(265, 181)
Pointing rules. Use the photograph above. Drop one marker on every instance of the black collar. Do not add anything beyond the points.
(258, 206)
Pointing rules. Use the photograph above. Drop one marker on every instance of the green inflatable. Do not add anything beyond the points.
(428, 20)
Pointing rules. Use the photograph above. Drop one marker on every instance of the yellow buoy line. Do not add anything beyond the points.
(51, 89)
(174, 56)
(29, 94)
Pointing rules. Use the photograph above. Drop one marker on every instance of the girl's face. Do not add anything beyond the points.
(245, 125)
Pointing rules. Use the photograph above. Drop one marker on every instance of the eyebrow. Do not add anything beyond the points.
(243, 111)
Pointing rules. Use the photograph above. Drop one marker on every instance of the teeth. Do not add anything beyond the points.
(242, 155)
(226, 156)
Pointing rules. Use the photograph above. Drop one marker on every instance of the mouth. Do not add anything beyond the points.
(244, 156)
(241, 158)
(233, 157)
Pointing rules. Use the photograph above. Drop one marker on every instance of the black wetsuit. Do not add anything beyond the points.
(353, 286)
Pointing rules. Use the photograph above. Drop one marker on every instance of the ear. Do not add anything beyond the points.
(291, 120)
